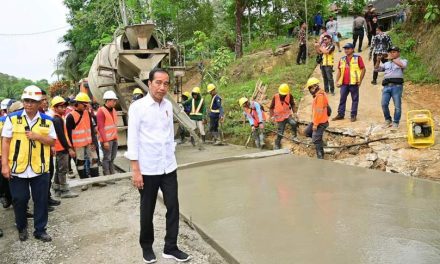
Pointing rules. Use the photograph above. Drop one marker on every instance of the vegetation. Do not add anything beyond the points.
(12, 87)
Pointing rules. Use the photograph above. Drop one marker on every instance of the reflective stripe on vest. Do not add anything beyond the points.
(110, 128)
(281, 110)
(21, 152)
(58, 146)
(320, 110)
(195, 111)
(355, 71)
(82, 134)
(212, 103)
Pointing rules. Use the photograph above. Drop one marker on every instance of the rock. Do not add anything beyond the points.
(359, 161)
(329, 151)
(354, 150)
(371, 157)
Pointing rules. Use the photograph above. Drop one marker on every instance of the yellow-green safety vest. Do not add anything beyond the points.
(355, 71)
(22, 152)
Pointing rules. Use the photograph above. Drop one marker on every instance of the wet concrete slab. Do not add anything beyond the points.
(186, 153)
(288, 209)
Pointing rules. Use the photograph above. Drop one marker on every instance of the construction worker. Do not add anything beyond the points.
(379, 49)
(351, 72)
(44, 109)
(4, 183)
(198, 111)
(392, 85)
(107, 119)
(63, 149)
(187, 109)
(137, 94)
(80, 131)
(27, 138)
(216, 113)
(281, 111)
(256, 118)
(326, 49)
(320, 114)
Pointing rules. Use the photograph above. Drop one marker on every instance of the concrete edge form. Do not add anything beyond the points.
(120, 176)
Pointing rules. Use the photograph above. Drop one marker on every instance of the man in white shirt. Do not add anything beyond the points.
(150, 149)
(27, 138)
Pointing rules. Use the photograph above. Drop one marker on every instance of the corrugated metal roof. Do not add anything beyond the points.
(384, 6)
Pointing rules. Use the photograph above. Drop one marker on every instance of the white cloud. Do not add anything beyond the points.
(31, 56)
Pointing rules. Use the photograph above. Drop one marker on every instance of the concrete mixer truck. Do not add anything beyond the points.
(124, 65)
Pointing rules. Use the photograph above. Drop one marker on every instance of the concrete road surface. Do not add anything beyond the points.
(288, 209)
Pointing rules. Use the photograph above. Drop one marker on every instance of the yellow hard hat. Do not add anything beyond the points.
(187, 94)
(211, 87)
(312, 81)
(242, 101)
(82, 97)
(137, 91)
(196, 90)
(58, 100)
(284, 89)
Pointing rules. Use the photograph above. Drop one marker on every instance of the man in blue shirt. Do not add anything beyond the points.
(318, 21)
(392, 85)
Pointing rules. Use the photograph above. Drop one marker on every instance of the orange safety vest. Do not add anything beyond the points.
(82, 134)
(319, 108)
(254, 114)
(110, 127)
(58, 146)
(282, 109)
(355, 70)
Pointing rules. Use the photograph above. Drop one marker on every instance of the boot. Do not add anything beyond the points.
(215, 137)
(261, 140)
(203, 139)
(319, 151)
(56, 189)
(277, 142)
(257, 143)
(193, 142)
(66, 193)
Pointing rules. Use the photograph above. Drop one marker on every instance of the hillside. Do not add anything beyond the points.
(12, 87)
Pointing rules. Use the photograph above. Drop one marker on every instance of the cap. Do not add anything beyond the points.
(394, 48)
(349, 46)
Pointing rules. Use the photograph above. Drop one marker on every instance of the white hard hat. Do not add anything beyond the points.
(109, 95)
(5, 103)
(32, 92)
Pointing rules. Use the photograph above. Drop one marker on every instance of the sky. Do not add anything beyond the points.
(31, 56)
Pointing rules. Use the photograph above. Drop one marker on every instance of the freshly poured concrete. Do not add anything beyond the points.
(286, 209)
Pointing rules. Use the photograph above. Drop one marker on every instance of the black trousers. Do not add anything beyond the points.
(302, 53)
(383, 60)
(21, 190)
(358, 33)
(317, 136)
(168, 185)
(213, 124)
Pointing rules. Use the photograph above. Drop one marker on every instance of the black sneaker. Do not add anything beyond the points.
(353, 119)
(373, 82)
(6, 203)
(53, 202)
(23, 235)
(43, 237)
(149, 256)
(177, 255)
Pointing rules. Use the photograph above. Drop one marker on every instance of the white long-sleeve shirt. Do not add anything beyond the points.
(151, 136)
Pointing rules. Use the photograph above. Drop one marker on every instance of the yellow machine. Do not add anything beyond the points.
(420, 128)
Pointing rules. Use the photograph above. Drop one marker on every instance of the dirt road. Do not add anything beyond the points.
(100, 226)
(369, 111)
